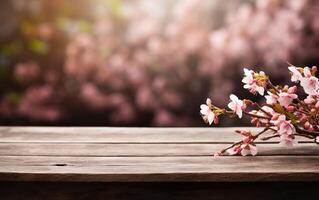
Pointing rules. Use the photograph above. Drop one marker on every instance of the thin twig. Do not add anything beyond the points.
(256, 116)
(306, 132)
(270, 137)
(304, 135)
(240, 142)
(260, 108)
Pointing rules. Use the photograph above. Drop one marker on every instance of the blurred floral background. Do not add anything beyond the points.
(141, 62)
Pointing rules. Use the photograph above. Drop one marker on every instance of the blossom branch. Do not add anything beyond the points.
(283, 113)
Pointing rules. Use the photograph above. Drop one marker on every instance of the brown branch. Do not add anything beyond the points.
(270, 137)
(306, 132)
(261, 132)
(306, 136)
(241, 141)
(256, 116)
(272, 86)
(260, 108)
(303, 105)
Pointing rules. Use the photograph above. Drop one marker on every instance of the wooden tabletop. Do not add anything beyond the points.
(146, 155)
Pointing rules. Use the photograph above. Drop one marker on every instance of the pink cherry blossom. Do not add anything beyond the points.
(268, 110)
(236, 105)
(248, 77)
(247, 149)
(280, 119)
(271, 98)
(309, 99)
(293, 118)
(264, 112)
(310, 85)
(296, 75)
(292, 90)
(234, 150)
(285, 99)
(250, 82)
(205, 110)
(287, 140)
(307, 72)
(286, 128)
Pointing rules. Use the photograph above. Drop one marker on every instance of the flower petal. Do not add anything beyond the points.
(233, 97)
(210, 117)
(253, 150)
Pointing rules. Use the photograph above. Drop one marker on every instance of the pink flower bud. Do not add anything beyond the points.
(216, 120)
(314, 69)
(292, 90)
(309, 100)
(307, 125)
(275, 116)
(291, 108)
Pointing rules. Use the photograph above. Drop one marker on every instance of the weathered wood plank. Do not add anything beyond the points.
(221, 163)
(145, 154)
(59, 149)
(121, 135)
(144, 149)
(169, 169)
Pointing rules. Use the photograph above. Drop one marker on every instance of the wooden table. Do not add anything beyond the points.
(149, 163)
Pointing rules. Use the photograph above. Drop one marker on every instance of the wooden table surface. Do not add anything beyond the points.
(146, 155)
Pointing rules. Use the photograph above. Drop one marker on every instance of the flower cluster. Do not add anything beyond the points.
(283, 113)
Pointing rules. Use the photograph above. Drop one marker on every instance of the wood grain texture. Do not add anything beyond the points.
(158, 169)
(146, 155)
(123, 135)
(146, 150)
